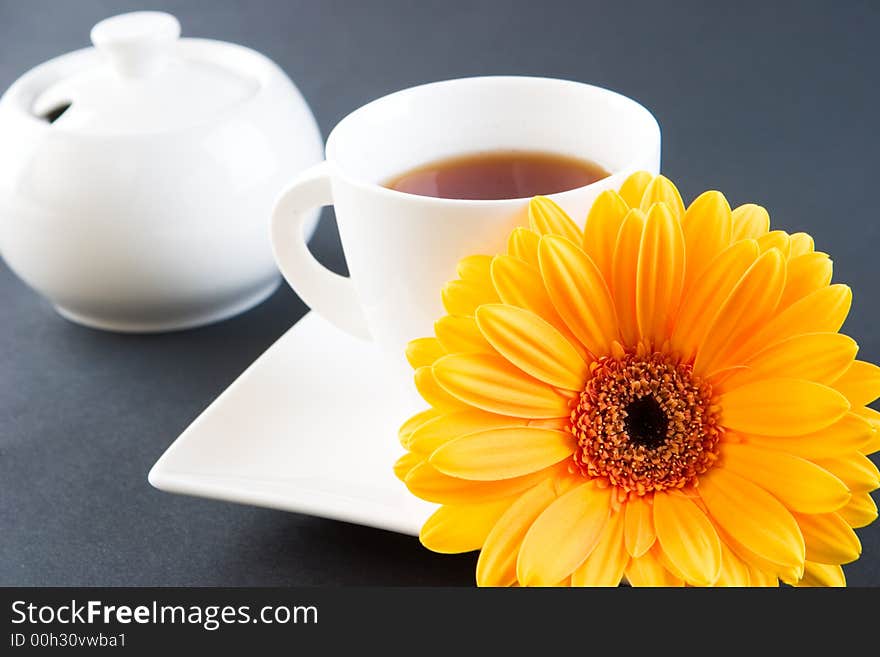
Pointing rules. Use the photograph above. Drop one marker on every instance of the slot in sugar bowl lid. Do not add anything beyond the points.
(142, 78)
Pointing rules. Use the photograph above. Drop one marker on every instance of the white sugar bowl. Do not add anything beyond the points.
(137, 177)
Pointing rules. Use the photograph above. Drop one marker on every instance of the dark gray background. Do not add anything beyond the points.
(775, 103)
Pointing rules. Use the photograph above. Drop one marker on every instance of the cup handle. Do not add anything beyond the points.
(324, 291)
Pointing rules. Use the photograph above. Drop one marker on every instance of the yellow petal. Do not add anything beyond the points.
(639, 534)
(753, 517)
(430, 484)
(648, 570)
(660, 274)
(443, 428)
(497, 563)
(405, 464)
(474, 268)
(455, 529)
(819, 357)
(759, 578)
(860, 383)
(861, 510)
(855, 470)
(502, 453)
(625, 263)
(750, 303)
(706, 226)
(493, 384)
(564, 535)
(820, 574)
(600, 231)
(775, 239)
(407, 428)
(829, 538)
(607, 561)
(459, 333)
(734, 571)
(523, 244)
(688, 539)
(845, 436)
(872, 417)
(661, 190)
(801, 243)
(797, 483)
(520, 284)
(633, 188)
(423, 351)
(806, 274)
(578, 293)
(823, 311)
(431, 392)
(547, 218)
(780, 407)
(533, 345)
(463, 297)
(750, 221)
(707, 293)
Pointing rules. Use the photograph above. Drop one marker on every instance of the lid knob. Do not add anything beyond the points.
(137, 43)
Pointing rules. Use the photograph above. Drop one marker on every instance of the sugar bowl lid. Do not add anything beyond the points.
(142, 78)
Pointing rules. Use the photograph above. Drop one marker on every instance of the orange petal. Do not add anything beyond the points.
(491, 383)
(856, 470)
(405, 464)
(502, 453)
(860, 383)
(801, 243)
(474, 268)
(428, 483)
(706, 226)
(648, 570)
(423, 351)
(750, 303)
(455, 529)
(775, 239)
(547, 218)
(625, 263)
(734, 571)
(687, 537)
(829, 538)
(578, 293)
(497, 563)
(861, 510)
(533, 345)
(797, 483)
(806, 274)
(600, 231)
(821, 574)
(443, 428)
(823, 311)
(407, 428)
(707, 293)
(607, 561)
(639, 535)
(633, 188)
(564, 535)
(750, 221)
(431, 392)
(523, 244)
(819, 357)
(520, 284)
(660, 274)
(753, 516)
(661, 190)
(463, 297)
(846, 435)
(459, 333)
(780, 407)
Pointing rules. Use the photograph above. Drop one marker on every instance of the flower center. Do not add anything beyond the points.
(645, 423)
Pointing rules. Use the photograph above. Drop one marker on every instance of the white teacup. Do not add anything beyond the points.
(402, 248)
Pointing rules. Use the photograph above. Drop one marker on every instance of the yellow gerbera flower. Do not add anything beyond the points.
(662, 397)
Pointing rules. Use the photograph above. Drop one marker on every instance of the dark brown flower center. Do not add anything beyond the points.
(645, 423)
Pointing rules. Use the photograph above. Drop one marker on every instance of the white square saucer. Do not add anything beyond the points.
(310, 426)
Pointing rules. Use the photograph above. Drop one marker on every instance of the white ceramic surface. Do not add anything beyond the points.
(145, 206)
(310, 427)
(402, 248)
